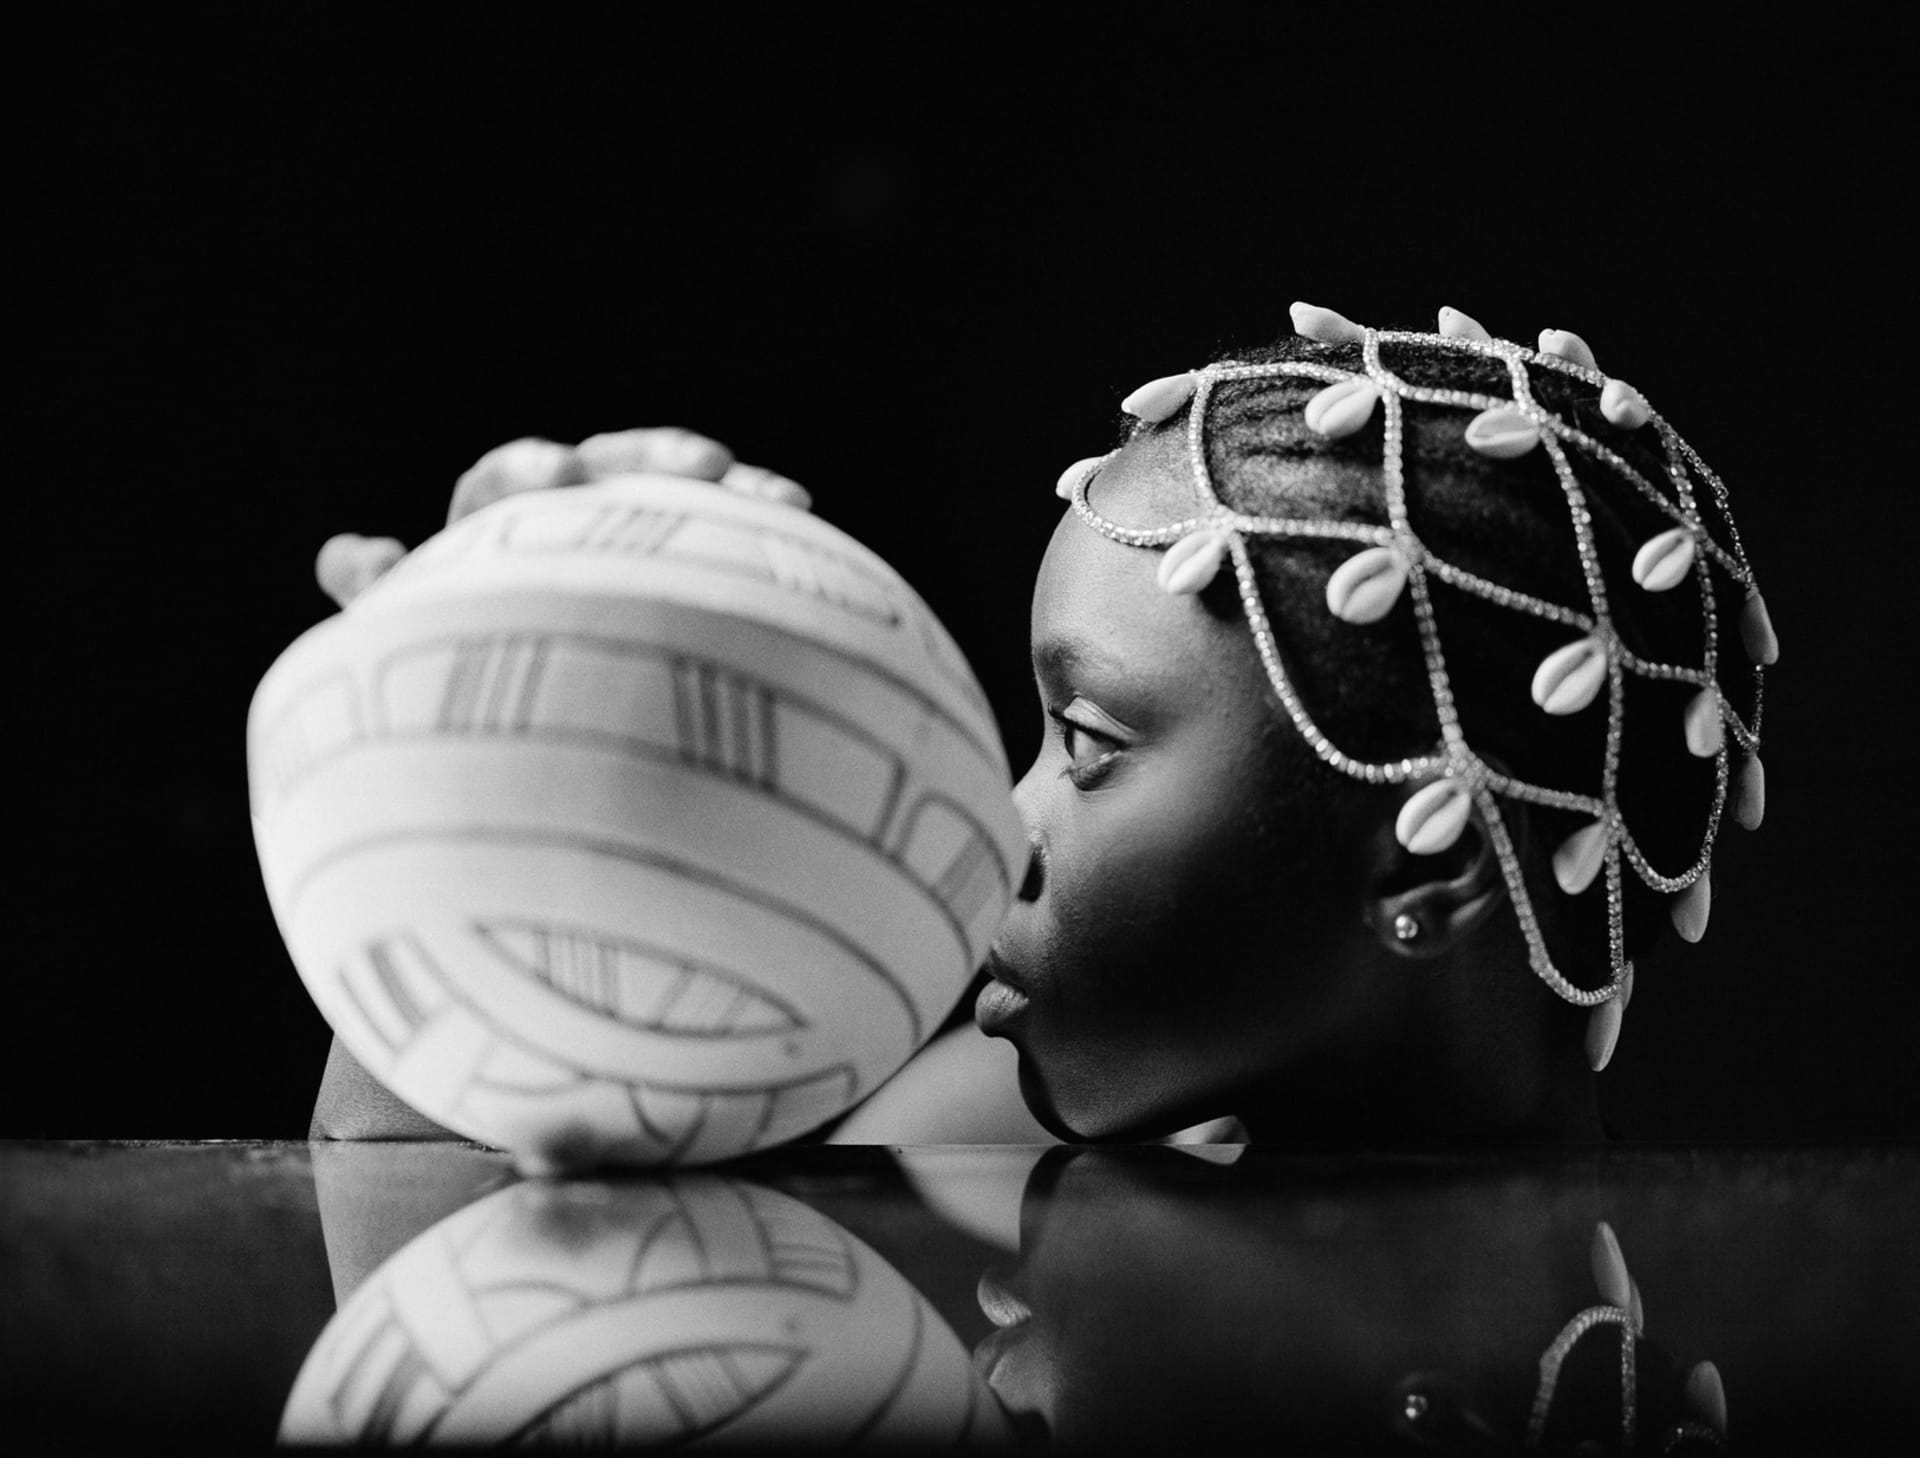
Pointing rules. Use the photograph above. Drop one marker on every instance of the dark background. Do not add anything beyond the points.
(287, 273)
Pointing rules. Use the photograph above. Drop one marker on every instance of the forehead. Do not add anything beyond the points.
(1099, 601)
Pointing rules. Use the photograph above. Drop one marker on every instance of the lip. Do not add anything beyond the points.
(1009, 1315)
(998, 970)
(999, 1305)
(999, 1002)
(991, 1352)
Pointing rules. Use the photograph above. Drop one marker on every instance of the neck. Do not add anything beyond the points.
(1490, 1057)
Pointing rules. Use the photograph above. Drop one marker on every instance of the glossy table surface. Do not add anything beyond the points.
(934, 1297)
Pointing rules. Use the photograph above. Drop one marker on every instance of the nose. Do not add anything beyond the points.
(1035, 878)
(1025, 801)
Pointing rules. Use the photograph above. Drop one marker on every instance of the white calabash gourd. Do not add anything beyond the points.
(643, 820)
(690, 1312)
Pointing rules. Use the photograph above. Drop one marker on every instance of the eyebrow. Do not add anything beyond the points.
(1059, 655)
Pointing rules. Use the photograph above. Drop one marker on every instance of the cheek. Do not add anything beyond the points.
(1168, 867)
(1118, 882)
(1179, 947)
(1154, 950)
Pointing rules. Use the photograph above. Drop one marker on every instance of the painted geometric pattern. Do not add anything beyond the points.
(449, 1307)
(322, 719)
(742, 549)
(638, 985)
(643, 700)
(653, 702)
(410, 1026)
(673, 1119)
(669, 1398)
(735, 548)
(944, 848)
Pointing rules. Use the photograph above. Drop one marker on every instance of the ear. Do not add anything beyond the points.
(1425, 906)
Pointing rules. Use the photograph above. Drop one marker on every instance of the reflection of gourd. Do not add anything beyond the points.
(663, 1312)
(642, 817)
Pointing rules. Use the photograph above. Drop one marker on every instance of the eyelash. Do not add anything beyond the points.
(1084, 776)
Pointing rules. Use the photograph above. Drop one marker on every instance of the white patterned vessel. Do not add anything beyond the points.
(683, 1312)
(643, 821)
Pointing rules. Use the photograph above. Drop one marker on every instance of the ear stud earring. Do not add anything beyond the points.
(1405, 928)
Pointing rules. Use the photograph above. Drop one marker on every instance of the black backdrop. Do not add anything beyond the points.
(287, 272)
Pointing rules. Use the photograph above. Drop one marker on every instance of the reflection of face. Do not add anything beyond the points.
(1162, 1303)
(1149, 1311)
(1179, 937)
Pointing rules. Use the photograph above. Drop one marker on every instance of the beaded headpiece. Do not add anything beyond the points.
(1593, 663)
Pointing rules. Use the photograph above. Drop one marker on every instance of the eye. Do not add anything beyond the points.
(1090, 739)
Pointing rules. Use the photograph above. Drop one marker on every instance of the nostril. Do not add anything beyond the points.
(1036, 873)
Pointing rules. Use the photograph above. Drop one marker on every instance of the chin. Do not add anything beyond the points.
(1100, 1124)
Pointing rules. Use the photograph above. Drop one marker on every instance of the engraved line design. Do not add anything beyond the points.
(812, 1110)
(769, 741)
(408, 1369)
(674, 1145)
(530, 683)
(638, 984)
(701, 740)
(799, 1086)
(323, 719)
(382, 727)
(637, 531)
(589, 1415)
(380, 956)
(884, 819)
(631, 854)
(722, 545)
(810, 1255)
(803, 1252)
(366, 1013)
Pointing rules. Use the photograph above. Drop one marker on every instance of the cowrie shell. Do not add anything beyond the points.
(1623, 405)
(1364, 588)
(1707, 1395)
(1071, 477)
(1705, 731)
(1756, 631)
(1433, 817)
(1502, 432)
(1608, 1261)
(1579, 858)
(1342, 408)
(1603, 1032)
(1158, 399)
(1750, 793)
(1691, 908)
(1190, 563)
(1568, 678)
(1455, 325)
(1310, 321)
(1568, 345)
(1664, 561)
(1626, 988)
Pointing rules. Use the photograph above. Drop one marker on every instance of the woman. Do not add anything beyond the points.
(1388, 723)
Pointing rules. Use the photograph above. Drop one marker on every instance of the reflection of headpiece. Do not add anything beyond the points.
(1392, 559)
(1620, 1306)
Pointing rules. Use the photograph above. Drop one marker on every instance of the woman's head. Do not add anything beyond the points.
(1222, 894)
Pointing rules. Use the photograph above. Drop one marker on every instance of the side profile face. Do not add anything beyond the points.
(1182, 935)
(1154, 1307)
